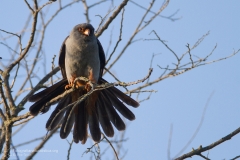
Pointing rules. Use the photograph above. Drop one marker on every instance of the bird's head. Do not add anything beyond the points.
(82, 32)
(85, 29)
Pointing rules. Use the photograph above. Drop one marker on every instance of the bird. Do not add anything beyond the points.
(82, 55)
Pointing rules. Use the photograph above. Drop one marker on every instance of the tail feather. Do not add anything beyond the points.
(75, 132)
(80, 127)
(125, 98)
(67, 124)
(38, 96)
(92, 116)
(39, 105)
(94, 126)
(56, 117)
(113, 115)
(99, 107)
(119, 105)
(104, 119)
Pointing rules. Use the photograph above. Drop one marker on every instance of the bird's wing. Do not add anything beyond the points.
(101, 57)
(61, 60)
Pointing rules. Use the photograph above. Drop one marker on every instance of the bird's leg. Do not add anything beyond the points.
(90, 85)
(77, 84)
(70, 84)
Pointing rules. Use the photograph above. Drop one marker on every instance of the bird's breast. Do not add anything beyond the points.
(82, 59)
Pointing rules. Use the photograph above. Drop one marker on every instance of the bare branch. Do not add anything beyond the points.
(8, 138)
(31, 38)
(116, 155)
(86, 11)
(28, 142)
(27, 117)
(69, 150)
(42, 143)
(214, 144)
(40, 8)
(97, 3)
(198, 128)
(2, 116)
(167, 17)
(139, 28)
(235, 157)
(119, 38)
(37, 87)
(14, 79)
(2, 137)
(29, 6)
(190, 55)
(111, 18)
(5, 104)
(6, 73)
(158, 38)
(90, 148)
(169, 142)
(41, 41)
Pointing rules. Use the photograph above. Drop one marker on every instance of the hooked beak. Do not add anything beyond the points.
(86, 32)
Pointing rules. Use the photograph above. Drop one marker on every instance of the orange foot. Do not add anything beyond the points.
(78, 84)
(89, 86)
(68, 86)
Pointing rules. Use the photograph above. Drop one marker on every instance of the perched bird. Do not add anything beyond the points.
(81, 54)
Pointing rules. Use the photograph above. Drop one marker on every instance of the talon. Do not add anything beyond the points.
(67, 87)
(70, 84)
(89, 86)
(76, 83)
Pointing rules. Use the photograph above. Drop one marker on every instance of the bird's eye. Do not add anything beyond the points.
(80, 29)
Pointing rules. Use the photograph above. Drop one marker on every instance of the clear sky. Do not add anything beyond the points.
(179, 101)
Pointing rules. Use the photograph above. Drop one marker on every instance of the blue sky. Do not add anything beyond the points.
(179, 101)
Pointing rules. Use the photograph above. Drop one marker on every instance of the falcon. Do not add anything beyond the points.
(82, 55)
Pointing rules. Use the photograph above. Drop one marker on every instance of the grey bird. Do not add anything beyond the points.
(81, 54)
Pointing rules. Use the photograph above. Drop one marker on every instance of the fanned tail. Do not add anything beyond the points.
(99, 107)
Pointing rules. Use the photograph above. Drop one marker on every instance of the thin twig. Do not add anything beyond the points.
(167, 17)
(28, 142)
(119, 38)
(111, 18)
(165, 44)
(86, 11)
(169, 142)
(190, 55)
(214, 144)
(116, 155)
(69, 150)
(2, 116)
(198, 128)
(42, 143)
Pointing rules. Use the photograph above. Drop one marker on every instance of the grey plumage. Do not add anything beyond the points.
(82, 54)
